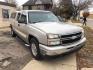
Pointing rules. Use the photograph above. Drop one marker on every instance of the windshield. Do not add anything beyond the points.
(34, 17)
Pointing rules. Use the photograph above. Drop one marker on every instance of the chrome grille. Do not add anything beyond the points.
(71, 38)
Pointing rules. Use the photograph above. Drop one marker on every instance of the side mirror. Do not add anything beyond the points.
(22, 19)
(24, 22)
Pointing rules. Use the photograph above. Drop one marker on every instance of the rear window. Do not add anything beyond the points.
(13, 15)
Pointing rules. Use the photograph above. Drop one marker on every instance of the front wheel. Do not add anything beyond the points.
(35, 50)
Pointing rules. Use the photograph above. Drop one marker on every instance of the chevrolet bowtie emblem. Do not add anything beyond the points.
(74, 37)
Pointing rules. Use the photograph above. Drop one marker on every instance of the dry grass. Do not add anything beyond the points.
(85, 55)
(75, 21)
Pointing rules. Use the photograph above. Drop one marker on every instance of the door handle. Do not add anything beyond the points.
(18, 24)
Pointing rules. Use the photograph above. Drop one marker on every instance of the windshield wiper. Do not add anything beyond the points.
(37, 22)
(34, 22)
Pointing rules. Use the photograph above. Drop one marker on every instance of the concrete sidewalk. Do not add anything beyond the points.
(63, 63)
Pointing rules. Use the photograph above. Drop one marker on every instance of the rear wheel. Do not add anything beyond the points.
(35, 50)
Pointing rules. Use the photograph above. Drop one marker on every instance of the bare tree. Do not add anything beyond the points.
(79, 5)
(66, 8)
(71, 8)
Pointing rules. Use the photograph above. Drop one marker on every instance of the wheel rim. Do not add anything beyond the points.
(34, 49)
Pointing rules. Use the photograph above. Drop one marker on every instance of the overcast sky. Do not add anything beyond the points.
(20, 2)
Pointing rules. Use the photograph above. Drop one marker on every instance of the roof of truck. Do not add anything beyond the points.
(33, 11)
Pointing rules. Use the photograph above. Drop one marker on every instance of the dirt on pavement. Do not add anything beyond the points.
(14, 55)
(85, 55)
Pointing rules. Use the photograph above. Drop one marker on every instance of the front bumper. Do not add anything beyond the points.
(57, 50)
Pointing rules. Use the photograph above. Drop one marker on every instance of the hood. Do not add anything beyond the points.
(57, 27)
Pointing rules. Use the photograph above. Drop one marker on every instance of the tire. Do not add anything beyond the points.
(13, 34)
(35, 50)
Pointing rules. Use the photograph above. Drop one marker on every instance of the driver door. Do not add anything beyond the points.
(22, 26)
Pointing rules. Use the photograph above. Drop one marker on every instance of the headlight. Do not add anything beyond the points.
(52, 36)
(53, 43)
(53, 39)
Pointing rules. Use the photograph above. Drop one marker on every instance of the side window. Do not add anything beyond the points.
(5, 13)
(22, 19)
(13, 15)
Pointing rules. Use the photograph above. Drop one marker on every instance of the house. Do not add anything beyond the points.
(91, 5)
(91, 8)
(5, 11)
(38, 5)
